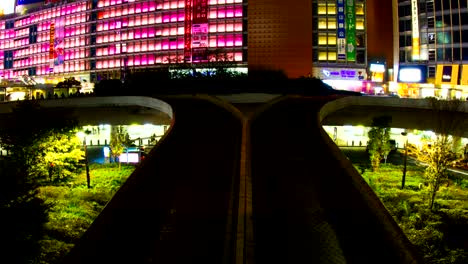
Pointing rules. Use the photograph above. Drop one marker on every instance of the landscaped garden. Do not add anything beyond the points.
(74, 207)
(440, 234)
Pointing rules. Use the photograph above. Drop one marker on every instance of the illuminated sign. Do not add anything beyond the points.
(412, 74)
(447, 73)
(27, 2)
(130, 157)
(200, 35)
(7, 7)
(200, 30)
(342, 74)
(341, 30)
(350, 30)
(377, 67)
(59, 45)
(464, 76)
(188, 31)
(51, 41)
(415, 30)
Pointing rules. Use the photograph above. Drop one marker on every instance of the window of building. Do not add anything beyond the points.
(322, 39)
(456, 54)
(331, 9)
(322, 9)
(456, 37)
(402, 41)
(322, 55)
(464, 54)
(331, 38)
(359, 8)
(402, 56)
(331, 23)
(322, 23)
(455, 19)
(361, 56)
(332, 55)
(360, 23)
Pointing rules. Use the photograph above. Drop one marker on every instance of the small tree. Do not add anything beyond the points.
(379, 141)
(23, 134)
(438, 157)
(61, 156)
(119, 140)
(439, 154)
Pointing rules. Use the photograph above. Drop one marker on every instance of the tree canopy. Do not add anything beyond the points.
(33, 138)
(379, 140)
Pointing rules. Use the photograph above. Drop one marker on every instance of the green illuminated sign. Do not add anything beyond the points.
(350, 30)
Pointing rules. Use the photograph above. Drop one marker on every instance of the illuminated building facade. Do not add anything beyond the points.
(339, 43)
(95, 39)
(47, 41)
(432, 48)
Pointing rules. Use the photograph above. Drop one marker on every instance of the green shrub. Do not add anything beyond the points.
(74, 207)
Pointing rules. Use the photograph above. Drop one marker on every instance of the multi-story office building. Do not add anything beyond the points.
(339, 43)
(45, 41)
(95, 39)
(432, 48)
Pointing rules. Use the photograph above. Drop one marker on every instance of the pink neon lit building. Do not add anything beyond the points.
(97, 38)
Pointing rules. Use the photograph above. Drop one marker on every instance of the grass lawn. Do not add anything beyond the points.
(75, 207)
(441, 235)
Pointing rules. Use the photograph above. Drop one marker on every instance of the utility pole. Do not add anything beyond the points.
(404, 161)
(88, 178)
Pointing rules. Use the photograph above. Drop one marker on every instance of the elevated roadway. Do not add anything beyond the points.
(248, 183)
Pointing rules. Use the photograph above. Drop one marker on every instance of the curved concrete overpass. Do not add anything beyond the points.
(106, 110)
(406, 113)
(267, 185)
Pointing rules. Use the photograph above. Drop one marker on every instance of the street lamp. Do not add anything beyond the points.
(85, 147)
(405, 160)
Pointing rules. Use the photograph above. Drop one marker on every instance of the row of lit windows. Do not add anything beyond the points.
(330, 23)
(78, 19)
(77, 30)
(7, 34)
(45, 37)
(330, 9)
(327, 56)
(130, 61)
(324, 39)
(76, 54)
(178, 15)
(221, 12)
(48, 14)
(21, 42)
(160, 5)
(167, 44)
(151, 32)
(136, 8)
(151, 59)
(227, 26)
(6, 44)
(59, 11)
(219, 41)
(33, 49)
(167, 4)
(21, 32)
(151, 19)
(214, 41)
